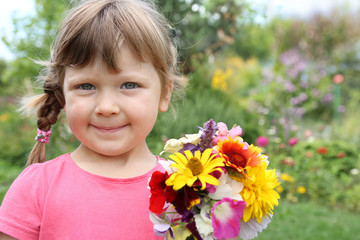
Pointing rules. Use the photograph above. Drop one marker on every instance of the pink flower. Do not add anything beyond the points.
(338, 79)
(293, 141)
(308, 133)
(226, 216)
(262, 141)
(223, 132)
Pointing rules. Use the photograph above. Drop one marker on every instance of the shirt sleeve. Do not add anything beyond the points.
(21, 209)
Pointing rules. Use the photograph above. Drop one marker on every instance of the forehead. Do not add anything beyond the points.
(128, 66)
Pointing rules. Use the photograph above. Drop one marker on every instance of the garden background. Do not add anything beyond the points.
(292, 84)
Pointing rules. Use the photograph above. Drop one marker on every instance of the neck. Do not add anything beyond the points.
(132, 163)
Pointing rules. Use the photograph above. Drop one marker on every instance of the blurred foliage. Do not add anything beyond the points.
(332, 40)
(30, 41)
(328, 171)
(204, 26)
(274, 79)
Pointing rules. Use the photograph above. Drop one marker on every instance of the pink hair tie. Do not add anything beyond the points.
(43, 136)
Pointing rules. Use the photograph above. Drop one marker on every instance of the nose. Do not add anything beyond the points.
(107, 105)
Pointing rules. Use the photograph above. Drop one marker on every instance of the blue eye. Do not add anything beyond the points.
(86, 86)
(129, 85)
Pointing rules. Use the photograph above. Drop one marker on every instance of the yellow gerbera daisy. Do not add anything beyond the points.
(193, 167)
(259, 193)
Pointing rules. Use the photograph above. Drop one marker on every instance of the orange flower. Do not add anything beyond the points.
(239, 155)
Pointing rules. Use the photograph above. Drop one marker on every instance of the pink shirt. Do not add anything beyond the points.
(59, 200)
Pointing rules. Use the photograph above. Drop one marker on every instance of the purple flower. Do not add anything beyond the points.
(290, 57)
(327, 98)
(304, 84)
(293, 72)
(207, 135)
(315, 92)
(189, 146)
(297, 112)
(303, 97)
(295, 101)
(341, 109)
(290, 87)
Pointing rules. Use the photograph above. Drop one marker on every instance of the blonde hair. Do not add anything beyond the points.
(97, 29)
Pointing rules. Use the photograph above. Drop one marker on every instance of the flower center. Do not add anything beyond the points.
(238, 160)
(195, 166)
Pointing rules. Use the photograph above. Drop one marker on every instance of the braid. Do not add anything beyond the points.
(48, 113)
(47, 116)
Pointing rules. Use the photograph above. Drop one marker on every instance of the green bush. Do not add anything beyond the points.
(327, 169)
(195, 110)
(17, 136)
(18, 133)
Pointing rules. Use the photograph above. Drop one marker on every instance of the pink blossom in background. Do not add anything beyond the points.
(338, 79)
(262, 141)
(293, 141)
(308, 133)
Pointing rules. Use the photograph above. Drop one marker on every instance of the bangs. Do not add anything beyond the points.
(98, 30)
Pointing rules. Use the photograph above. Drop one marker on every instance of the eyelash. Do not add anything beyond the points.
(123, 86)
(81, 86)
(133, 85)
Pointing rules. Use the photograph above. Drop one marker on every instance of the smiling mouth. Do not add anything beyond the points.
(108, 129)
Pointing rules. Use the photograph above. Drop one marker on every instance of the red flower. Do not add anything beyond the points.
(322, 150)
(341, 155)
(185, 199)
(160, 193)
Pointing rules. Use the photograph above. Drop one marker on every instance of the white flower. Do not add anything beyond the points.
(227, 188)
(174, 145)
(166, 165)
(249, 230)
(203, 223)
(354, 171)
(161, 227)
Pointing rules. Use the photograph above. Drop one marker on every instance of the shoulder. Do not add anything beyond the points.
(36, 177)
(43, 170)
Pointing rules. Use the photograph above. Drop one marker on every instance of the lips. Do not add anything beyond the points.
(108, 128)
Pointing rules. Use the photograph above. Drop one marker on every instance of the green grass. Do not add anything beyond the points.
(308, 220)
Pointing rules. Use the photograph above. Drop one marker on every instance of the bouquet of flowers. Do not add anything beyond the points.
(216, 186)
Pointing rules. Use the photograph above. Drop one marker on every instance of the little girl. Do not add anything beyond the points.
(112, 68)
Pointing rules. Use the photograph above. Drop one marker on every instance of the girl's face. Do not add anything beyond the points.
(109, 112)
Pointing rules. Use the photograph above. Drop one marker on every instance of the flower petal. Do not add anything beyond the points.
(226, 216)
(223, 129)
(188, 155)
(179, 158)
(205, 156)
(236, 131)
